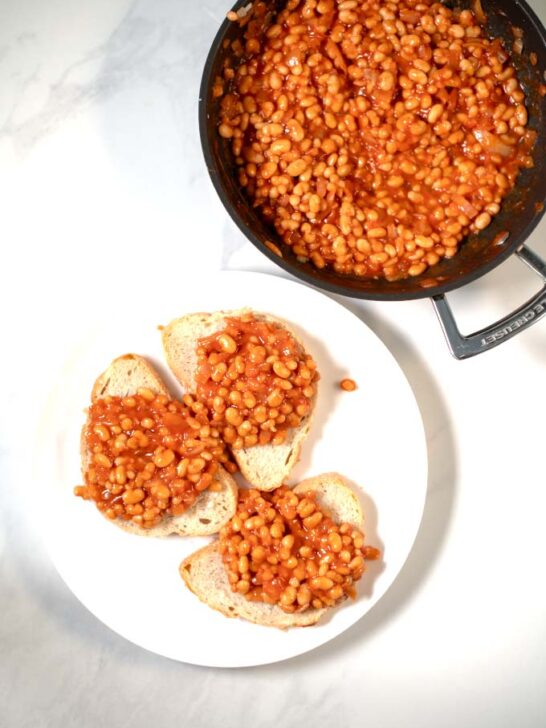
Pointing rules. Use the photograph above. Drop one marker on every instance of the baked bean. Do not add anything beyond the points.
(233, 416)
(358, 540)
(428, 87)
(164, 458)
(416, 269)
(334, 539)
(277, 529)
(295, 130)
(482, 221)
(280, 146)
(304, 596)
(258, 554)
(305, 508)
(120, 475)
(227, 344)
(321, 583)
(101, 460)
(288, 542)
(356, 563)
(242, 586)
(288, 596)
(161, 491)
(275, 399)
(243, 564)
(147, 394)
(296, 168)
(424, 242)
(281, 370)
(218, 372)
(418, 76)
(130, 497)
(196, 465)
(102, 432)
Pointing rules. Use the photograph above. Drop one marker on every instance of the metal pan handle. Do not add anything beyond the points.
(463, 347)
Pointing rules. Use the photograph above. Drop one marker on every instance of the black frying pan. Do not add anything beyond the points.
(480, 253)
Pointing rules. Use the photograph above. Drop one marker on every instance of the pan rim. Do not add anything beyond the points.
(308, 274)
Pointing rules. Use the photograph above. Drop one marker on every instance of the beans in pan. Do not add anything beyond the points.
(374, 136)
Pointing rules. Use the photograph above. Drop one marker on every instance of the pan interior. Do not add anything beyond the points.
(520, 212)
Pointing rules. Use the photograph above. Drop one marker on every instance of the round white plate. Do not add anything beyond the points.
(373, 436)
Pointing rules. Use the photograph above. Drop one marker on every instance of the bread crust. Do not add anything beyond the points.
(205, 575)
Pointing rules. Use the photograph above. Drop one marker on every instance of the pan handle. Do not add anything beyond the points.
(463, 347)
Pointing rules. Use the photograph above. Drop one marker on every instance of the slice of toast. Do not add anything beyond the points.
(266, 467)
(211, 510)
(205, 575)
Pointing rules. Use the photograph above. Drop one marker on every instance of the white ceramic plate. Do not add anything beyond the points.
(373, 436)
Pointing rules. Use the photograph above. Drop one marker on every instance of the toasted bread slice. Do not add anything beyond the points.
(207, 515)
(266, 467)
(206, 576)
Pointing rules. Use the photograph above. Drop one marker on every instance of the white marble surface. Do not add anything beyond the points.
(104, 193)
